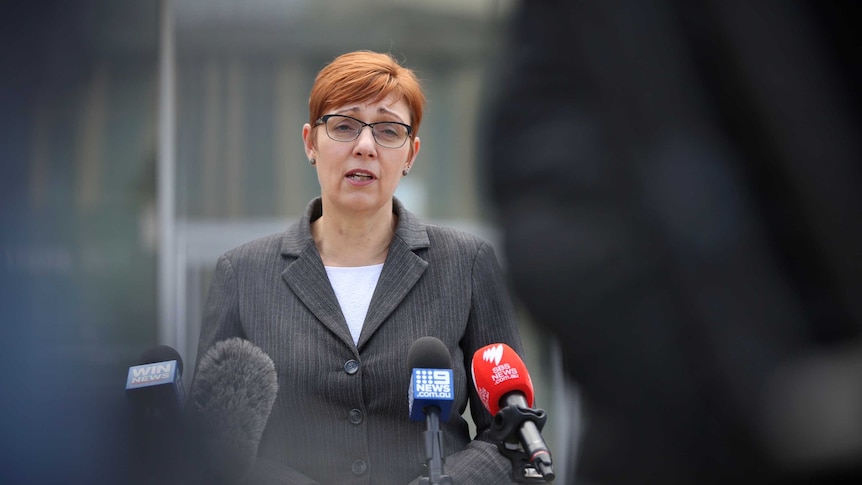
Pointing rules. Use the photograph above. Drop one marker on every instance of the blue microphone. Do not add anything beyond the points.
(430, 396)
(431, 388)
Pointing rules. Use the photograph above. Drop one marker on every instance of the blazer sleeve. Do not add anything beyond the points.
(492, 320)
(222, 321)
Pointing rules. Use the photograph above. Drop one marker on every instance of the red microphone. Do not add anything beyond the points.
(498, 371)
(505, 388)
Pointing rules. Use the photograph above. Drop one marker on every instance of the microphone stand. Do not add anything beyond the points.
(504, 430)
(434, 449)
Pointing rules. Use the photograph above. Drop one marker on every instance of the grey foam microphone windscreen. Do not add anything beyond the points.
(232, 396)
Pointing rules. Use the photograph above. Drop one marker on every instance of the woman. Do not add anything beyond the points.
(338, 299)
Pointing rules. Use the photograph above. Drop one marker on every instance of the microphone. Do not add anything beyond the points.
(430, 398)
(232, 396)
(156, 396)
(505, 388)
(154, 387)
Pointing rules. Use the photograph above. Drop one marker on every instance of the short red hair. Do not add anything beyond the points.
(361, 76)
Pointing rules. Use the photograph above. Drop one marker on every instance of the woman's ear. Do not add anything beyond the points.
(309, 142)
(413, 152)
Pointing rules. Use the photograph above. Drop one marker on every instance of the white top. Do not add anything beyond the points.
(354, 287)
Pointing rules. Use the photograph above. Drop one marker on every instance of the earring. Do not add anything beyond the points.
(312, 161)
(405, 171)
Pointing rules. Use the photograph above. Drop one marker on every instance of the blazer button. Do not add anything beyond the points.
(355, 416)
(359, 467)
(351, 366)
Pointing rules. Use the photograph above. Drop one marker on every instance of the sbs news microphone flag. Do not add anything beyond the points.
(505, 388)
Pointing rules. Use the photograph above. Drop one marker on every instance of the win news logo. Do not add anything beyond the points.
(151, 374)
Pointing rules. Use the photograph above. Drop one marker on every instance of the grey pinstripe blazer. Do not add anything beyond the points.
(341, 415)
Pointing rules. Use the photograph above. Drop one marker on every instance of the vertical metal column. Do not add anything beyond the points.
(168, 330)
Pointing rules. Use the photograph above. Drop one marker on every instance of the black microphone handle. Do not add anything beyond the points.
(434, 448)
(531, 439)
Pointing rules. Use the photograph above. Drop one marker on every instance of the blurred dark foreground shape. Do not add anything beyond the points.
(678, 185)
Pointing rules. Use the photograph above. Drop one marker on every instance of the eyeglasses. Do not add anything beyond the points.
(388, 134)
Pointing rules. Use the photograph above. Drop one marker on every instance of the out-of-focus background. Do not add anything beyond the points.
(141, 139)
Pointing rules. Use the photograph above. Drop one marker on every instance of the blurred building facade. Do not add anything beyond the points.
(142, 139)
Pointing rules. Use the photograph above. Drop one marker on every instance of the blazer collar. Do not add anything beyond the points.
(307, 277)
(410, 229)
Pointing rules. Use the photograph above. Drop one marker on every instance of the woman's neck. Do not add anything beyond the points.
(353, 240)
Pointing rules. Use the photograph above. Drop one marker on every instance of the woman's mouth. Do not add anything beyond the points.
(359, 175)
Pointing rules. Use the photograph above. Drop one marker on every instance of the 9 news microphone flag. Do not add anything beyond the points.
(430, 398)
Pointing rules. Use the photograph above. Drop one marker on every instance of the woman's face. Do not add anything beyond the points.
(360, 176)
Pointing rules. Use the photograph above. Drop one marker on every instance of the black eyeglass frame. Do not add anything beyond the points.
(323, 119)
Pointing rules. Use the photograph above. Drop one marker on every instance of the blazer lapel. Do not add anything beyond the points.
(307, 278)
(402, 270)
